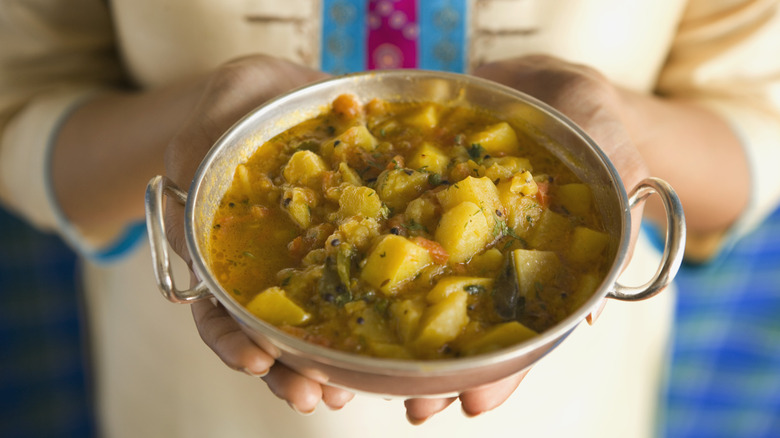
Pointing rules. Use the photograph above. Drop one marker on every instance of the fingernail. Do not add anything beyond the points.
(253, 374)
(295, 408)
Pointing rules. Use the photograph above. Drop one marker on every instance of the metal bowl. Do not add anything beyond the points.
(396, 377)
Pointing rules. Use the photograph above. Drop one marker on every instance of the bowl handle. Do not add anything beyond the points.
(674, 243)
(158, 240)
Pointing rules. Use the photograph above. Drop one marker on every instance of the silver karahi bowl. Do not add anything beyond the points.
(396, 377)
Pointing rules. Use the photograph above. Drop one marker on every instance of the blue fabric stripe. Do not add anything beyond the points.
(442, 43)
(131, 236)
(344, 36)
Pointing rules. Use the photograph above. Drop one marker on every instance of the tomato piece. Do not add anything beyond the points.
(437, 252)
(543, 195)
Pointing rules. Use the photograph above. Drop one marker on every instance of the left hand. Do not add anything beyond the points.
(593, 103)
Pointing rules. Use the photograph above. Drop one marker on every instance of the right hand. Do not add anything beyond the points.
(232, 91)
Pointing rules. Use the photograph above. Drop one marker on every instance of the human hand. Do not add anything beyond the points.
(590, 100)
(233, 90)
(584, 95)
(593, 103)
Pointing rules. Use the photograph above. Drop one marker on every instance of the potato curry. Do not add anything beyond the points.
(408, 230)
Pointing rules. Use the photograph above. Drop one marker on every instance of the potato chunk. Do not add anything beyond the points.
(443, 322)
(497, 140)
(498, 337)
(424, 210)
(479, 191)
(407, 314)
(425, 117)
(429, 158)
(298, 203)
(586, 245)
(463, 231)
(576, 198)
(359, 201)
(551, 231)
(449, 285)
(522, 211)
(533, 269)
(397, 187)
(523, 184)
(273, 306)
(304, 168)
(392, 262)
(341, 147)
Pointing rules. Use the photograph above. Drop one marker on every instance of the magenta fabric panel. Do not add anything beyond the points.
(393, 31)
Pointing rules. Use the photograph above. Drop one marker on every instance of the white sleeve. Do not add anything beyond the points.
(726, 57)
(53, 56)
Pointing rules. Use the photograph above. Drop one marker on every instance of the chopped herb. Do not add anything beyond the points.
(476, 151)
(343, 297)
(236, 292)
(249, 254)
(286, 280)
(500, 228)
(383, 254)
(414, 226)
(381, 306)
(434, 179)
(336, 143)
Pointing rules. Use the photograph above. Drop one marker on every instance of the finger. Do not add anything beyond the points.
(301, 393)
(232, 91)
(593, 316)
(420, 409)
(223, 335)
(488, 397)
(335, 398)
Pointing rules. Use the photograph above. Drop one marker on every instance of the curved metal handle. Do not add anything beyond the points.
(674, 243)
(158, 240)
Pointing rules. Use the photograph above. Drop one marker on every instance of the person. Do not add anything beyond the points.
(680, 90)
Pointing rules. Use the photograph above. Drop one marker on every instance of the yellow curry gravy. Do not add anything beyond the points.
(386, 229)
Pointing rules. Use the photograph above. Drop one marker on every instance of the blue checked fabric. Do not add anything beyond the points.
(43, 383)
(724, 378)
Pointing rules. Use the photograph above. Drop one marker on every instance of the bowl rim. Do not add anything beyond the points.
(392, 366)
